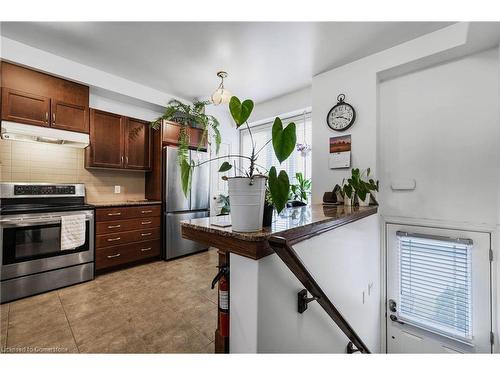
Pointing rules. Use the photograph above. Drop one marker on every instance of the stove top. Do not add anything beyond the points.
(20, 198)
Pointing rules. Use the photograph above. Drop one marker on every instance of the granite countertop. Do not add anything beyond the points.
(124, 203)
(293, 223)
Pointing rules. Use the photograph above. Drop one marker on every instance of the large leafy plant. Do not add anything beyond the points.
(283, 141)
(190, 115)
(361, 183)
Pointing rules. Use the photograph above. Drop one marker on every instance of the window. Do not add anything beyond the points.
(297, 162)
(435, 284)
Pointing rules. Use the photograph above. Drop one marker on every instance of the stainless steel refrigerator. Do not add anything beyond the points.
(179, 207)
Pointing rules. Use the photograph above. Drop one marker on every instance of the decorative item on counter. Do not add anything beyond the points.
(247, 191)
(268, 209)
(357, 188)
(340, 152)
(341, 116)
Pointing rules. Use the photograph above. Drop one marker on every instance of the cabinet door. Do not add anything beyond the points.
(137, 140)
(170, 133)
(197, 139)
(25, 108)
(106, 140)
(68, 116)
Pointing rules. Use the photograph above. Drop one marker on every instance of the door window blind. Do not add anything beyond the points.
(435, 284)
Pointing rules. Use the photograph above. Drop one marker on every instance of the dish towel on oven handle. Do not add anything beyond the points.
(72, 231)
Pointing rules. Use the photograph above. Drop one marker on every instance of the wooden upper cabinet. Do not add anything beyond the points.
(36, 98)
(171, 131)
(25, 108)
(68, 116)
(137, 140)
(106, 140)
(118, 142)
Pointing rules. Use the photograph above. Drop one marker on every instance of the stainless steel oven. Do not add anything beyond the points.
(31, 259)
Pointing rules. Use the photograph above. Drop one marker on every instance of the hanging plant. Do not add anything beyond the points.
(187, 116)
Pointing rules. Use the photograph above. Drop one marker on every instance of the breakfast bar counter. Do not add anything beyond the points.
(294, 224)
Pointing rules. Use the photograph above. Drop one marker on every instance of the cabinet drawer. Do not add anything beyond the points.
(118, 213)
(118, 255)
(144, 211)
(113, 239)
(106, 227)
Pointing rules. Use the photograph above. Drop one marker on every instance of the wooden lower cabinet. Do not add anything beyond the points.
(132, 234)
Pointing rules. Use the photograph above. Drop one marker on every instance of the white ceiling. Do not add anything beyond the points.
(264, 60)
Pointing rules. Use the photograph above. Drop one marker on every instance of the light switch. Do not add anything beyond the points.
(403, 184)
(117, 189)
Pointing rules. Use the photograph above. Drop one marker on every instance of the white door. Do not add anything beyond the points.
(217, 185)
(438, 290)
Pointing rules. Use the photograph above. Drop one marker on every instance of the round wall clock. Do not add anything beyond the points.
(341, 116)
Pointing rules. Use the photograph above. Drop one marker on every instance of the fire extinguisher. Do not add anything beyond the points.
(222, 278)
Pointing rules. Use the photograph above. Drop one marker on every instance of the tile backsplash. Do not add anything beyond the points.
(39, 162)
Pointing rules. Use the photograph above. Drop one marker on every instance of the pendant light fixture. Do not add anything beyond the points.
(221, 95)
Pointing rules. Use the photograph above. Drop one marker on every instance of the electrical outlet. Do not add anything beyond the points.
(117, 189)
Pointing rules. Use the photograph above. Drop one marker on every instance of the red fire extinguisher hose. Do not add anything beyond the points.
(222, 278)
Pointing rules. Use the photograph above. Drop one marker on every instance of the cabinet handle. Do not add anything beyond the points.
(114, 256)
(114, 239)
(114, 226)
(126, 160)
(47, 117)
(146, 212)
(54, 118)
(122, 159)
(146, 234)
(114, 214)
(146, 222)
(146, 249)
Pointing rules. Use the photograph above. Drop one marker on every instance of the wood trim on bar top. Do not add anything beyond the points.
(255, 245)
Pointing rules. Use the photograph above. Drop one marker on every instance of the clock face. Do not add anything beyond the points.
(341, 117)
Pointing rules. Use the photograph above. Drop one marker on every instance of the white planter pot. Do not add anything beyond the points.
(366, 202)
(247, 203)
(348, 201)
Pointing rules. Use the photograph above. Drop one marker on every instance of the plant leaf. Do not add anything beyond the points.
(186, 172)
(225, 167)
(279, 186)
(240, 111)
(284, 140)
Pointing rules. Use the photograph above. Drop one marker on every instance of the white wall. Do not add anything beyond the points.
(440, 126)
(358, 81)
(344, 261)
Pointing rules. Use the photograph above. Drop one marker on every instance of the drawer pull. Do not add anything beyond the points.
(114, 226)
(146, 222)
(146, 249)
(114, 256)
(146, 234)
(114, 214)
(146, 211)
(114, 239)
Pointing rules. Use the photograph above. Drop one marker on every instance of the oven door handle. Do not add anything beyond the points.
(31, 222)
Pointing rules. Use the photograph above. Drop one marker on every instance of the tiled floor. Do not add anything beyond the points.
(160, 307)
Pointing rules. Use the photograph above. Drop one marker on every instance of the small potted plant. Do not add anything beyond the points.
(346, 191)
(363, 185)
(247, 190)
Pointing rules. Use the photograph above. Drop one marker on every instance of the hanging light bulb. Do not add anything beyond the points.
(221, 95)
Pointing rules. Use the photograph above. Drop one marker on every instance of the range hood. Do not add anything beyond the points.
(29, 133)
